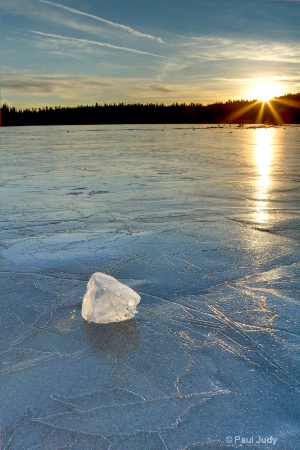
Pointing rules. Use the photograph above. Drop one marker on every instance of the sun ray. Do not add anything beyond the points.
(275, 113)
(266, 111)
(288, 102)
(260, 114)
(236, 115)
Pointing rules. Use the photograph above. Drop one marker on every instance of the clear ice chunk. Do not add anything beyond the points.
(107, 300)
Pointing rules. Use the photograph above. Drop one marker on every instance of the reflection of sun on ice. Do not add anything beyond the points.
(265, 91)
(263, 154)
(263, 160)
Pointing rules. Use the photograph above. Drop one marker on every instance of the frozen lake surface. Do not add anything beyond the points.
(203, 222)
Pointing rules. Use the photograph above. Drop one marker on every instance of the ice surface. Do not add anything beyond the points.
(107, 300)
(204, 224)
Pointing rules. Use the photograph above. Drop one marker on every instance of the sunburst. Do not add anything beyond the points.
(264, 91)
(265, 101)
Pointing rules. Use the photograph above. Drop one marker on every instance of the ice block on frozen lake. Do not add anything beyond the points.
(107, 300)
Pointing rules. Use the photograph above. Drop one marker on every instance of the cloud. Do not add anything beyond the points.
(49, 84)
(251, 79)
(107, 22)
(30, 90)
(218, 49)
(160, 88)
(33, 90)
(97, 43)
(74, 86)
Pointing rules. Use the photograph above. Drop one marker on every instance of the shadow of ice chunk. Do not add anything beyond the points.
(110, 340)
(107, 300)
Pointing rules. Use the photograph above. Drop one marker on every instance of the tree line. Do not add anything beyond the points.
(285, 109)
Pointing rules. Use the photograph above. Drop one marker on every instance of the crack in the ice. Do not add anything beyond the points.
(276, 368)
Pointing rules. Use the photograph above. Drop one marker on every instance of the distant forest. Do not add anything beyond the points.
(285, 110)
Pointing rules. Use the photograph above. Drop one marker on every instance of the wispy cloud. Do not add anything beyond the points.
(215, 48)
(162, 88)
(48, 83)
(97, 43)
(101, 19)
(32, 90)
(257, 78)
(245, 83)
(51, 90)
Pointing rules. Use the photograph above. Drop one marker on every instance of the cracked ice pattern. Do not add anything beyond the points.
(204, 224)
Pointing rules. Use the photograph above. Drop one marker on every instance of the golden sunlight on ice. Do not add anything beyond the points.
(263, 159)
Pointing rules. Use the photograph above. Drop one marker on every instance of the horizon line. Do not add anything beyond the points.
(176, 103)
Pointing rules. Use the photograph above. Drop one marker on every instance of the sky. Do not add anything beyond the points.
(74, 52)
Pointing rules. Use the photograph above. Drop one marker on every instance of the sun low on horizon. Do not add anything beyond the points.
(264, 91)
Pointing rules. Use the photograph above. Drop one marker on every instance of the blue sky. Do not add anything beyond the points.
(72, 52)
